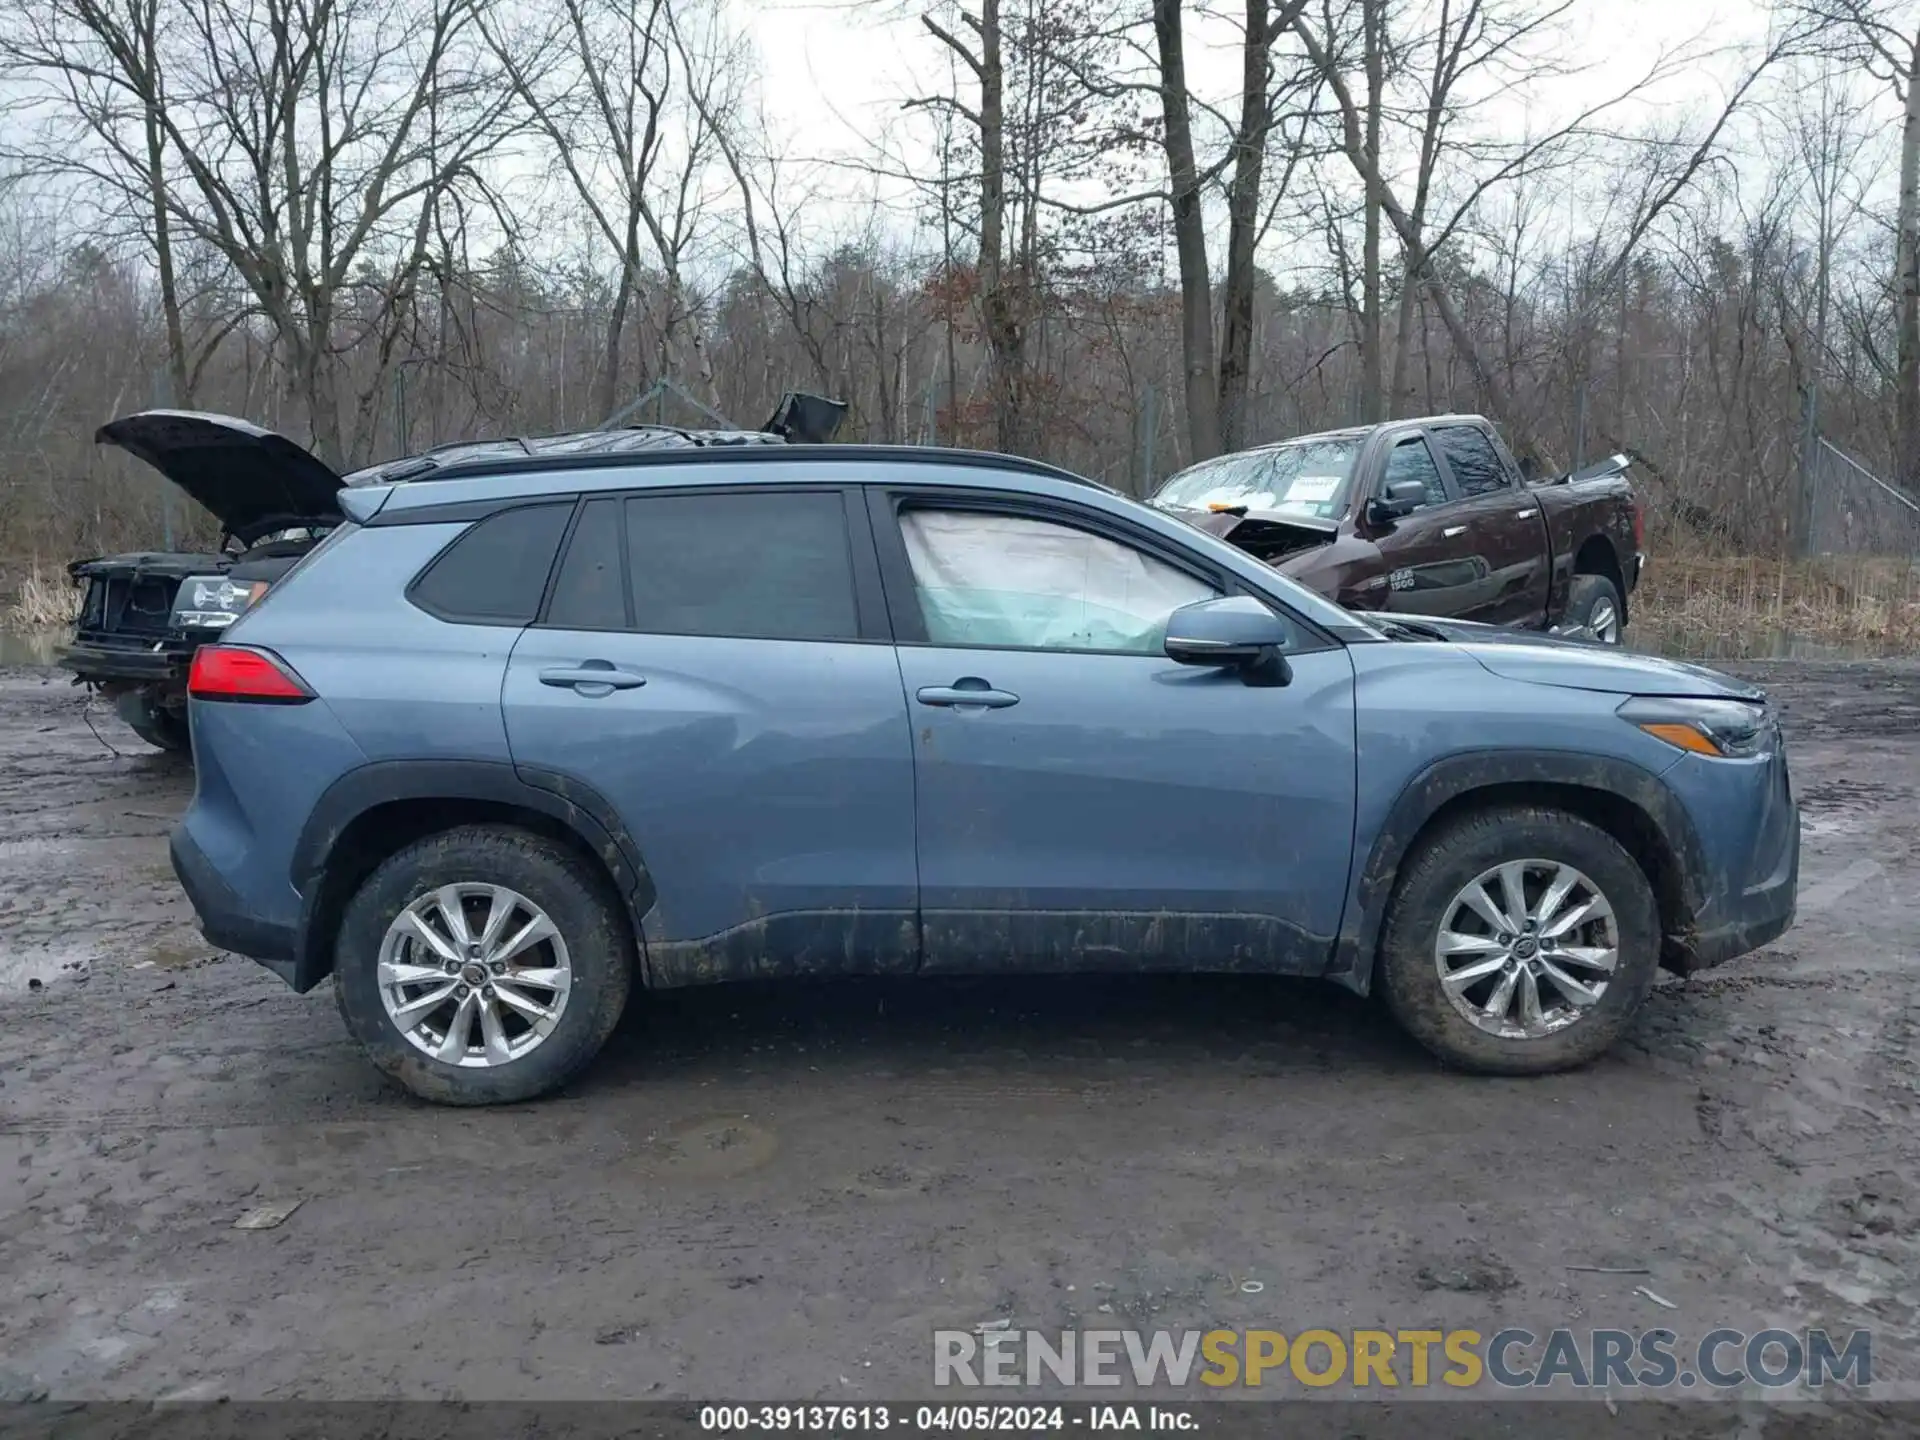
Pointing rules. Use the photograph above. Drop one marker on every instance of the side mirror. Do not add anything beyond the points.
(1235, 632)
(1401, 497)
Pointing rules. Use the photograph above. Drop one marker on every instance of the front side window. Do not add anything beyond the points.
(986, 579)
(1411, 460)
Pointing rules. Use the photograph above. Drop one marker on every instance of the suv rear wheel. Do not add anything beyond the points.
(482, 965)
(1520, 941)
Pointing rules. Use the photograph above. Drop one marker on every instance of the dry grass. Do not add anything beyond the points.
(47, 600)
(1720, 607)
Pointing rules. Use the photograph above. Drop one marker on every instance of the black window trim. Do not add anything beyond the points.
(885, 502)
(453, 617)
(869, 604)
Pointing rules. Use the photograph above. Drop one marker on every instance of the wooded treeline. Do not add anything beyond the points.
(379, 225)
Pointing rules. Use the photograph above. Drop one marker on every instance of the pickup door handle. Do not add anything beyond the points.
(967, 692)
(1526, 514)
(592, 678)
(1453, 530)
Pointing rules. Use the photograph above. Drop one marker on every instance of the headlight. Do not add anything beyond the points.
(1724, 729)
(213, 602)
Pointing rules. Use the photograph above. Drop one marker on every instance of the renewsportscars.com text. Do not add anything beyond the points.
(1392, 1359)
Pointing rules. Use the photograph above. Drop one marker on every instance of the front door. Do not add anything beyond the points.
(1083, 802)
(1426, 558)
(716, 664)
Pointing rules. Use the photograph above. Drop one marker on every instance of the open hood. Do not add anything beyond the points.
(1269, 535)
(254, 481)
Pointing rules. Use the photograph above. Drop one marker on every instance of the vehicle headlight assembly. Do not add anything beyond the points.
(213, 602)
(1722, 729)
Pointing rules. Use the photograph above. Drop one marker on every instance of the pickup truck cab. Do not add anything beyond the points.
(1428, 517)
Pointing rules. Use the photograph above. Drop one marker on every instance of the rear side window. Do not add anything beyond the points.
(1470, 455)
(749, 566)
(496, 572)
(590, 593)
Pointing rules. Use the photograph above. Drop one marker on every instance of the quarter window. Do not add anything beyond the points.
(495, 573)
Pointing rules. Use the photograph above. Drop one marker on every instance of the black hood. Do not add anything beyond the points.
(254, 481)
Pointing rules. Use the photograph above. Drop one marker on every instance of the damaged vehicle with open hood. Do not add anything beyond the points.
(145, 613)
(1429, 517)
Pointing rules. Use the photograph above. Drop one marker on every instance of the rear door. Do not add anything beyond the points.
(1504, 531)
(715, 662)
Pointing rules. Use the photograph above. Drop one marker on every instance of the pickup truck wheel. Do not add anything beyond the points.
(1519, 941)
(161, 728)
(1594, 610)
(482, 965)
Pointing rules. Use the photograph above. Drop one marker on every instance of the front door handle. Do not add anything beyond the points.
(1453, 530)
(1527, 514)
(968, 692)
(592, 678)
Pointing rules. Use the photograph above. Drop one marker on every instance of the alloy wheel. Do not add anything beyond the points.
(1527, 948)
(474, 975)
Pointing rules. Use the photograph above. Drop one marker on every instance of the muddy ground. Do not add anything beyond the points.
(781, 1192)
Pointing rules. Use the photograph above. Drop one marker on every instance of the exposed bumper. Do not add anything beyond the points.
(1747, 919)
(223, 920)
(101, 662)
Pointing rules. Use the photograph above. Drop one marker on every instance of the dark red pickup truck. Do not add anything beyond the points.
(1428, 517)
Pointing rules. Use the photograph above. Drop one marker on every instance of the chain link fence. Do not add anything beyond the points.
(1854, 512)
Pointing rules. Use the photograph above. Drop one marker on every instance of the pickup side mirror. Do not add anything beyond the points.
(1401, 497)
(1235, 632)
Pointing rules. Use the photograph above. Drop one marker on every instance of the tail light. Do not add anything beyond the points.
(238, 672)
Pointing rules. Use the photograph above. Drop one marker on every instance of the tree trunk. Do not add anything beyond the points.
(999, 310)
(1371, 409)
(1243, 219)
(1907, 263)
(609, 397)
(1190, 237)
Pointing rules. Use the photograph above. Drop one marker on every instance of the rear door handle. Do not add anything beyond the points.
(966, 693)
(592, 678)
(1453, 530)
(1525, 514)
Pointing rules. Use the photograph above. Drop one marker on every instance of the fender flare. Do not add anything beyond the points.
(1456, 776)
(567, 799)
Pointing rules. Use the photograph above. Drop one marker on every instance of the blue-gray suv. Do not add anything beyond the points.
(539, 724)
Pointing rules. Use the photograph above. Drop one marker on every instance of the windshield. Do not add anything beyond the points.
(1309, 478)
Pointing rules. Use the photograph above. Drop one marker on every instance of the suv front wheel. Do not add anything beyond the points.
(482, 965)
(1519, 941)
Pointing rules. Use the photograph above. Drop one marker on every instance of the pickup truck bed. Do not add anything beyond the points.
(1428, 517)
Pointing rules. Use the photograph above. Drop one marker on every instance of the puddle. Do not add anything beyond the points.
(32, 647)
(26, 972)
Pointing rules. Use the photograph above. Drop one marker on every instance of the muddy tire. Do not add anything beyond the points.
(1595, 610)
(483, 965)
(162, 728)
(1507, 983)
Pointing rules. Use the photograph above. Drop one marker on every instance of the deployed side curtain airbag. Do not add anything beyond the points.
(990, 579)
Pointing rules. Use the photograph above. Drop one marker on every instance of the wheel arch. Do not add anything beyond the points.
(1598, 556)
(375, 810)
(1631, 804)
